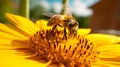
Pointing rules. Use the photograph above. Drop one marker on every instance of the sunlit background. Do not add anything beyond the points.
(100, 15)
(79, 8)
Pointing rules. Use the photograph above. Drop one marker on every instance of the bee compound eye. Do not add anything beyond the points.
(71, 24)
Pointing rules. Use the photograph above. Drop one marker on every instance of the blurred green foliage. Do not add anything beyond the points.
(5, 6)
(36, 13)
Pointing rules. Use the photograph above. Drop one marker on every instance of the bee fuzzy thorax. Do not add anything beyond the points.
(55, 19)
(52, 46)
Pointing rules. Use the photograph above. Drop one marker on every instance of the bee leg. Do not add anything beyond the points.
(65, 34)
(72, 34)
(53, 28)
(60, 25)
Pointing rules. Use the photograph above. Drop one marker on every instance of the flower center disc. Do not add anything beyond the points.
(76, 51)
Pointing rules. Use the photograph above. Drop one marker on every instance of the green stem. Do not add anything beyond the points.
(65, 6)
(24, 8)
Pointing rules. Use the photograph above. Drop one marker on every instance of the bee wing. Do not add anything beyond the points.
(69, 14)
(49, 15)
(66, 10)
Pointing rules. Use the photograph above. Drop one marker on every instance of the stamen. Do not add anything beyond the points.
(75, 51)
(88, 47)
(69, 47)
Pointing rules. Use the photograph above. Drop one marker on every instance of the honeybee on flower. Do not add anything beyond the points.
(66, 21)
(49, 49)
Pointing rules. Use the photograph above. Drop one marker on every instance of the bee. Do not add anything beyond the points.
(65, 21)
(71, 24)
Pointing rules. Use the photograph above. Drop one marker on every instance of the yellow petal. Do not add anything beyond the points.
(16, 56)
(102, 39)
(5, 41)
(83, 31)
(22, 23)
(109, 51)
(103, 63)
(11, 57)
(9, 36)
(13, 43)
(7, 30)
(24, 33)
(42, 24)
(117, 59)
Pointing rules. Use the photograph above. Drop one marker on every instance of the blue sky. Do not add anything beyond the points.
(78, 7)
(88, 2)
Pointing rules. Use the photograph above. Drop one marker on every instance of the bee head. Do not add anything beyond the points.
(71, 24)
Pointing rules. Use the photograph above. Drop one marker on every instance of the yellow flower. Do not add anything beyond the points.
(27, 44)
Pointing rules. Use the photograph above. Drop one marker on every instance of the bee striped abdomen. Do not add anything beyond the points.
(56, 19)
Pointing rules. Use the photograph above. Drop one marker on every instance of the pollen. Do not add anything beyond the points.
(76, 51)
